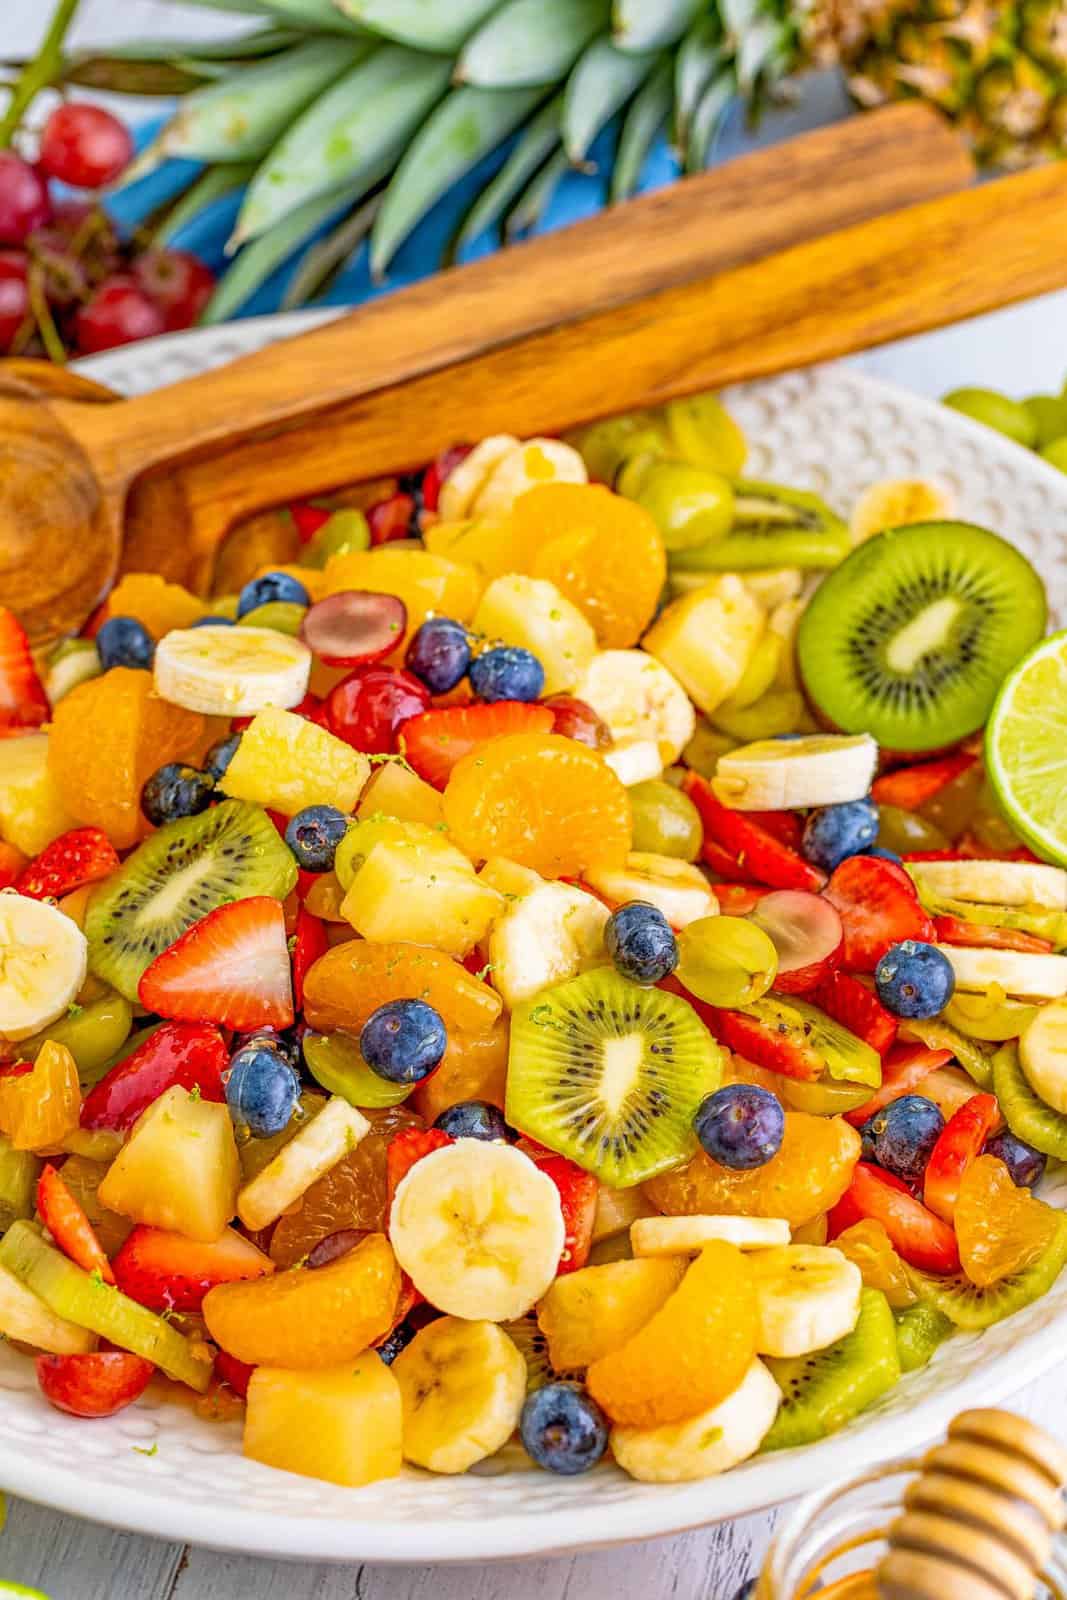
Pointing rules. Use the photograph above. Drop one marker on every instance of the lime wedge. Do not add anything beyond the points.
(1026, 748)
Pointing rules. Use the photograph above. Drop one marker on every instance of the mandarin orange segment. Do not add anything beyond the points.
(159, 605)
(39, 1108)
(869, 1246)
(605, 554)
(1000, 1229)
(810, 1173)
(308, 1318)
(691, 1354)
(475, 1067)
(109, 735)
(352, 980)
(543, 801)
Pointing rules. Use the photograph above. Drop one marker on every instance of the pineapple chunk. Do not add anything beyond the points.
(321, 1143)
(532, 612)
(488, 543)
(341, 1424)
(398, 792)
(707, 638)
(418, 839)
(616, 1209)
(285, 762)
(25, 1318)
(32, 812)
(587, 1314)
(179, 1168)
(406, 893)
(550, 934)
(510, 878)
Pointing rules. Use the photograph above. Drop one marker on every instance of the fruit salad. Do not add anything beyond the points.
(571, 961)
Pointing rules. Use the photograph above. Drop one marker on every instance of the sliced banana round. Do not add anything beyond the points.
(43, 961)
(895, 502)
(677, 888)
(1043, 1055)
(807, 1296)
(553, 932)
(820, 769)
(231, 671)
(462, 1388)
(527, 465)
(461, 488)
(684, 1236)
(997, 883)
(1028, 977)
(704, 1445)
(639, 699)
(478, 1228)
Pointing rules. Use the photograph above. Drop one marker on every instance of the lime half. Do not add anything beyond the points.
(1026, 748)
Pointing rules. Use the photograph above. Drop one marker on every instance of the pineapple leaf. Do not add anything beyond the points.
(257, 7)
(530, 42)
(441, 25)
(533, 202)
(651, 24)
(319, 264)
(538, 140)
(466, 126)
(601, 82)
(319, 16)
(760, 55)
(258, 260)
(698, 61)
(212, 185)
(648, 111)
(708, 118)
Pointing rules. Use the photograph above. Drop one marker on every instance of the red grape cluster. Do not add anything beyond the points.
(68, 283)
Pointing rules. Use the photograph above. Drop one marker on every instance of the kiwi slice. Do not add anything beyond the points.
(1025, 1112)
(610, 1074)
(969, 1306)
(533, 1347)
(920, 1329)
(772, 527)
(938, 1035)
(824, 1390)
(180, 873)
(845, 1057)
(1039, 920)
(913, 634)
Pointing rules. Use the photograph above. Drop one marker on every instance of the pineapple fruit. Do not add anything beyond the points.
(285, 762)
(32, 812)
(532, 612)
(587, 1314)
(342, 1424)
(178, 1169)
(416, 895)
(396, 791)
(550, 933)
(707, 639)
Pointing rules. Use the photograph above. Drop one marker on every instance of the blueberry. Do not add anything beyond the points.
(867, 1150)
(439, 654)
(261, 1088)
(125, 642)
(212, 621)
(398, 1340)
(1025, 1164)
(832, 833)
(740, 1126)
(904, 1133)
(313, 836)
(403, 1041)
(882, 853)
(914, 979)
(641, 942)
(286, 1044)
(747, 1590)
(563, 1429)
(474, 1119)
(221, 754)
(175, 790)
(272, 586)
(507, 673)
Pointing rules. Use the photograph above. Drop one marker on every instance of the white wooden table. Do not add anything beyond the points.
(1021, 351)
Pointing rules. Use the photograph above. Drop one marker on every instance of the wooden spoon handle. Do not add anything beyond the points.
(740, 212)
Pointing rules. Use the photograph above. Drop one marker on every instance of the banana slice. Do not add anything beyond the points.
(685, 1236)
(231, 672)
(553, 932)
(1029, 977)
(821, 769)
(478, 1229)
(639, 699)
(1043, 1055)
(704, 1445)
(895, 502)
(464, 483)
(462, 1387)
(807, 1296)
(527, 465)
(677, 888)
(634, 761)
(43, 960)
(999, 883)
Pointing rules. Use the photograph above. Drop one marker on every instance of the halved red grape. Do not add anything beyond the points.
(355, 627)
(576, 719)
(806, 931)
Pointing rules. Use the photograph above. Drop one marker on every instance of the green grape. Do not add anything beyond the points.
(989, 824)
(1055, 453)
(952, 808)
(778, 711)
(823, 1097)
(19, 1171)
(996, 411)
(284, 616)
(335, 1062)
(666, 822)
(905, 831)
(704, 434)
(689, 505)
(726, 960)
(606, 446)
(92, 1033)
(1049, 412)
(346, 531)
(759, 675)
(704, 749)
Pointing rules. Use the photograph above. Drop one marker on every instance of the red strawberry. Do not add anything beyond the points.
(910, 787)
(435, 740)
(903, 1069)
(69, 1226)
(407, 1147)
(959, 1144)
(878, 906)
(953, 930)
(723, 863)
(231, 967)
(916, 1234)
(970, 846)
(238, 1374)
(785, 826)
(748, 1037)
(391, 519)
(933, 855)
(737, 899)
(438, 471)
(81, 856)
(308, 519)
(858, 1009)
(12, 862)
(23, 702)
(168, 1272)
(577, 1197)
(191, 1054)
(757, 851)
(309, 943)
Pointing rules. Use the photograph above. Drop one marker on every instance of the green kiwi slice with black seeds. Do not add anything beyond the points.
(824, 1390)
(610, 1074)
(970, 1306)
(532, 1345)
(1026, 1114)
(772, 527)
(180, 873)
(913, 634)
(920, 1329)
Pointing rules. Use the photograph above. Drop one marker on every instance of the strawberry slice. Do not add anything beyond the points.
(84, 855)
(435, 740)
(754, 847)
(577, 1197)
(933, 855)
(168, 1272)
(23, 702)
(960, 1142)
(737, 899)
(407, 1147)
(231, 967)
(858, 1009)
(785, 826)
(309, 943)
(69, 1226)
(903, 1069)
(12, 862)
(391, 518)
(238, 1374)
(917, 1235)
(308, 519)
(778, 1052)
(438, 471)
(910, 787)
(878, 906)
(723, 863)
(953, 930)
(191, 1054)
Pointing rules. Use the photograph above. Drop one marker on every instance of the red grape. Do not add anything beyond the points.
(354, 627)
(118, 313)
(575, 719)
(24, 202)
(179, 283)
(14, 296)
(367, 708)
(84, 146)
(391, 518)
(438, 471)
